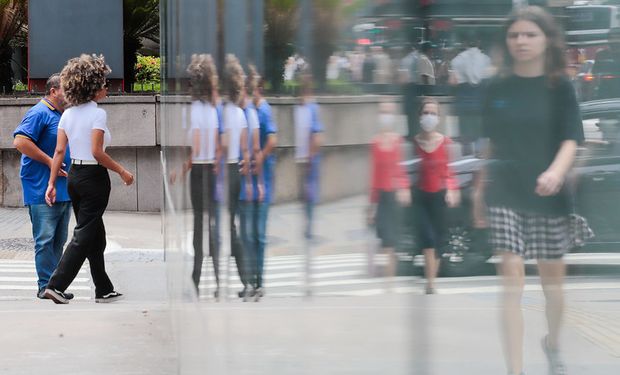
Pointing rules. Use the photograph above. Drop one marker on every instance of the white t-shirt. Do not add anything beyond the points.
(234, 123)
(78, 123)
(253, 124)
(424, 67)
(203, 117)
(471, 66)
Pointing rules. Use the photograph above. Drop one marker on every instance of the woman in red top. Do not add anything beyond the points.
(436, 187)
(389, 184)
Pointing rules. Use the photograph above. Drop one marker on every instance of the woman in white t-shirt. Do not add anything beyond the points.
(235, 145)
(84, 128)
(204, 159)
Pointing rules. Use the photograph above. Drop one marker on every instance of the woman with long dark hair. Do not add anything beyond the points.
(532, 120)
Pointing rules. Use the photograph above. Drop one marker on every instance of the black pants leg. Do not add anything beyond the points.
(89, 189)
(202, 195)
(214, 246)
(234, 189)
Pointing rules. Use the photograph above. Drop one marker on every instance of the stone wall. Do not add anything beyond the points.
(139, 123)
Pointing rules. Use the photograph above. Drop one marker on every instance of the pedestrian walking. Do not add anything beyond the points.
(468, 70)
(265, 168)
(35, 138)
(83, 127)
(532, 120)
(235, 146)
(252, 188)
(389, 184)
(435, 190)
(308, 140)
(205, 146)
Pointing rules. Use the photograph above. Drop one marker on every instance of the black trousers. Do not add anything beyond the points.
(236, 246)
(89, 190)
(202, 195)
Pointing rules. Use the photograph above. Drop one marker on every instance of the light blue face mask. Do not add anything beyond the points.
(429, 122)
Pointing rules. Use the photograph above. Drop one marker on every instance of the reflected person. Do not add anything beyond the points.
(532, 120)
(205, 151)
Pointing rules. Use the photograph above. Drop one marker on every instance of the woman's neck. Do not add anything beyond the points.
(427, 135)
(534, 68)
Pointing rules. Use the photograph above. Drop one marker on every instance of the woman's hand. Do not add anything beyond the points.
(403, 197)
(50, 195)
(261, 192)
(453, 198)
(549, 183)
(127, 177)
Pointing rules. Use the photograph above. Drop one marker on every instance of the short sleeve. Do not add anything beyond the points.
(267, 118)
(195, 119)
(100, 120)
(242, 119)
(253, 119)
(316, 126)
(570, 116)
(32, 126)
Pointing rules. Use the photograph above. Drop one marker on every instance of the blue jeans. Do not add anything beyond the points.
(254, 235)
(50, 226)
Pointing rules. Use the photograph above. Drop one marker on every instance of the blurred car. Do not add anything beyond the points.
(595, 180)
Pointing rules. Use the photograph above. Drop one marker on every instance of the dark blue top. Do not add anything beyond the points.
(40, 125)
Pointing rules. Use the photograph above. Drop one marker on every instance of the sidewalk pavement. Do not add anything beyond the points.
(392, 333)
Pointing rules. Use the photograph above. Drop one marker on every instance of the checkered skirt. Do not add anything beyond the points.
(536, 236)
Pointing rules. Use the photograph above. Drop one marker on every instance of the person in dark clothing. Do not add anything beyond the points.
(531, 118)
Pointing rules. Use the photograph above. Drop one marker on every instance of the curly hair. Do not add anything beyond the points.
(253, 80)
(555, 59)
(83, 77)
(234, 83)
(203, 77)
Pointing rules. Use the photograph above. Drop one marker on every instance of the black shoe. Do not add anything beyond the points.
(57, 296)
(110, 297)
(41, 295)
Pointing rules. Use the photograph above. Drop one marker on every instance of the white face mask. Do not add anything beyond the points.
(386, 121)
(429, 122)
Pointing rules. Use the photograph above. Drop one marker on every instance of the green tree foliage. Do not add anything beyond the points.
(13, 18)
(281, 20)
(140, 21)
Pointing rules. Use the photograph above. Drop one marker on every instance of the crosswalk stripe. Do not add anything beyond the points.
(18, 277)
(34, 287)
(9, 279)
(19, 270)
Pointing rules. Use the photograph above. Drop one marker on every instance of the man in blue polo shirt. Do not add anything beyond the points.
(268, 140)
(35, 138)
